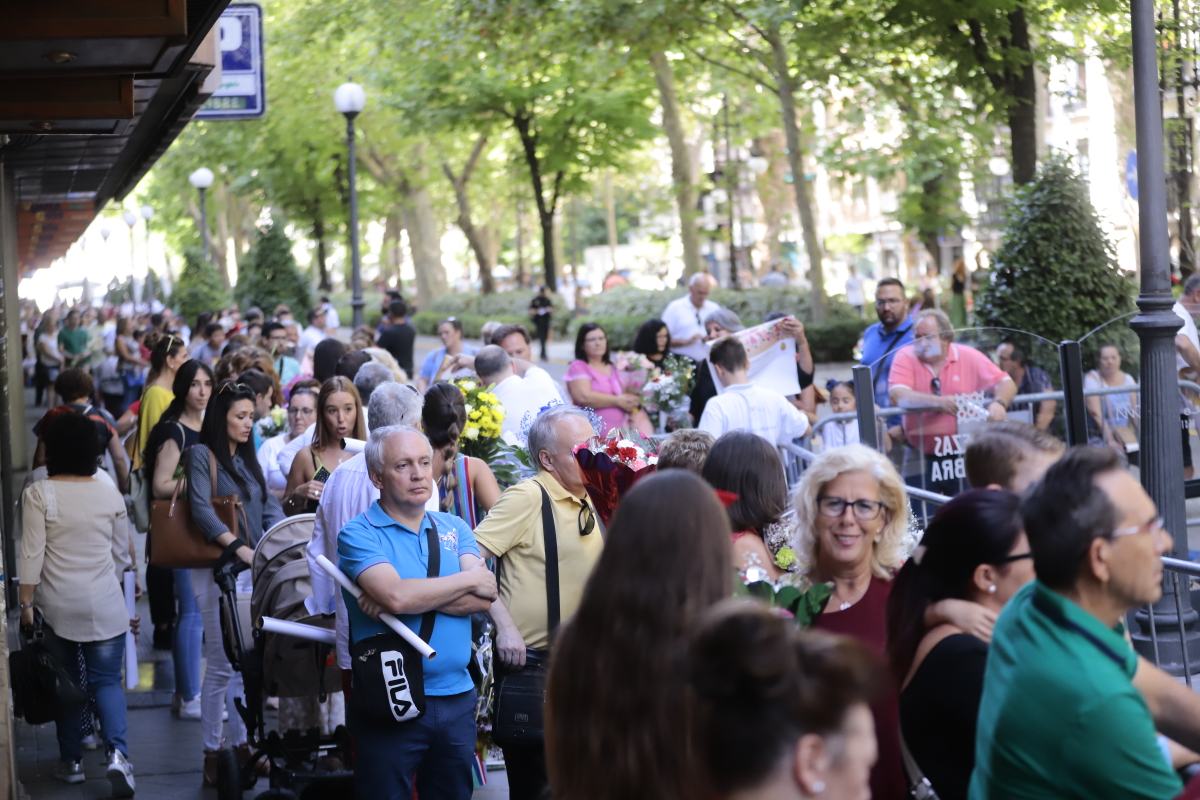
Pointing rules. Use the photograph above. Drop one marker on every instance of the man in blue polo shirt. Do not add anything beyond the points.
(386, 551)
(881, 340)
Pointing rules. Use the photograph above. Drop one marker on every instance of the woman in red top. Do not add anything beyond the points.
(852, 518)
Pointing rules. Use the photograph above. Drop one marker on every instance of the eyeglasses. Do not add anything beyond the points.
(1153, 526)
(888, 301)
(587, 520)
(935, 385)
(1013, 557)
(835, 507)
(298, 411)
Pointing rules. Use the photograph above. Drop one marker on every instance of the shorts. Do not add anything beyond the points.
(1186, 432)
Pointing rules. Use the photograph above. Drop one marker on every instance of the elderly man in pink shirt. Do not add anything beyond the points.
(934, 372)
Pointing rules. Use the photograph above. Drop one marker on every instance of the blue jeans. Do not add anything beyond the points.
(436, 750)
(189, 635)
(104, 660)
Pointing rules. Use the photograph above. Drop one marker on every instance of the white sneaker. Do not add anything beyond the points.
(190, 709)
(70, 772)
(120, 774)
(90, 742)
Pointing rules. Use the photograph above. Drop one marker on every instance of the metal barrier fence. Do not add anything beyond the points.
(1168, 613)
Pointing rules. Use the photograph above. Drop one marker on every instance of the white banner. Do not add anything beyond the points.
(772, 358)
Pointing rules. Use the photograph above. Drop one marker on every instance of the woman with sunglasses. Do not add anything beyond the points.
(301, 412)
(176, 431)
(339, 416)
(852, 516)
(225, 438)
(975, 550)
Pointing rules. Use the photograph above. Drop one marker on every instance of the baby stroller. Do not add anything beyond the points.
(303, 764)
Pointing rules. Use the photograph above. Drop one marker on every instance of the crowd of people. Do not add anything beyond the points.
(984, 655)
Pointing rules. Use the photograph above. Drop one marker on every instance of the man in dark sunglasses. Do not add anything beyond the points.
(549, 513)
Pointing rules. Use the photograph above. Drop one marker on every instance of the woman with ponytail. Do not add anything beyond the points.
(975, 550)
(466, 486)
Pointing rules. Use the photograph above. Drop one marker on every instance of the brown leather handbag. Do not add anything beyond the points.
(174, 542)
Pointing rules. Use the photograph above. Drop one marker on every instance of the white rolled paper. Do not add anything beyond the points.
(131, 664)
(396, 625)
(298, 629)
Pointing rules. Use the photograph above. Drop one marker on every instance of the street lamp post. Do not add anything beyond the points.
(147, 215)
(1156, 325)
(131, 219)
(349, 100)
(202, 179)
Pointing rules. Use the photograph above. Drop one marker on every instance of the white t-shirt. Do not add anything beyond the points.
(523, 396)
(684, 321)
(310, 337)
(854, 291)
(1188, 330)
(268, 459)
(746, 407)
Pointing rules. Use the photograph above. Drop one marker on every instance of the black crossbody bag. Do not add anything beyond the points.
(518, 716)
(388, 672)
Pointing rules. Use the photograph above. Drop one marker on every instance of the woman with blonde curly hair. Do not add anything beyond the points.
(852, 517)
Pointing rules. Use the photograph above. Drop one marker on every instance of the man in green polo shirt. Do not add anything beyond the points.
(73, 339)
(1060, 716)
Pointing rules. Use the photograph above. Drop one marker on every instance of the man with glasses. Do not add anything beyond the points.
(881, 340)
(275, 336)
(1061, 713)
(513, 532)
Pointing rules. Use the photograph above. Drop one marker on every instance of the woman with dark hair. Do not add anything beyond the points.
(594, 382)
(653, 340)
(608, 680)
(167, 355)
(781, 712)
(225, 440)
(71, 553)
(325, 356)
(176, 431)
(465, 485)
(339, 415)
(974, 549)
(748, 468)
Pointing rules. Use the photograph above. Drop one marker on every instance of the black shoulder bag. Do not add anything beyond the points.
(518, 717)
(388, 672)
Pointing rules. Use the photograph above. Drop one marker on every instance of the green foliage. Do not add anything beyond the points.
(1056, 274)
(269, 275)
(803, 602)
(199, 287)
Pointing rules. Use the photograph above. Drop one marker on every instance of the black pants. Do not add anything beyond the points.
(525, 767)
(542, 328)
(160, 585)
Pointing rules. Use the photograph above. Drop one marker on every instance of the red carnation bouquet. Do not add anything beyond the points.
(612, 465)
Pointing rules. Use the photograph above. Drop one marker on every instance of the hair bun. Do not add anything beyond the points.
(744, 654)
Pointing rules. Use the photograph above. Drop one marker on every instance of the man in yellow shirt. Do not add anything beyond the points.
(513, 532)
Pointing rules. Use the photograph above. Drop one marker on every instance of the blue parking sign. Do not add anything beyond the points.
(242, 92)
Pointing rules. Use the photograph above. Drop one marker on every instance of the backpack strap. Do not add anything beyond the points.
(435, 569)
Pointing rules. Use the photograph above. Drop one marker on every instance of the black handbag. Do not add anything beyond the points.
(519, 714)
(388, 672)
(40, 684)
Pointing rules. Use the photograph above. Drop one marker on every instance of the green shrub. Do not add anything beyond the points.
(426, 322)
(269, 275)
(509, 307)
(1056, 274)
(199, 287)
(834, 339)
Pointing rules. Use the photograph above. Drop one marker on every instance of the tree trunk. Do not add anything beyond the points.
(610, 220)
(391, 257)
(520, 244)
(1022, 109)
(476, 237)
(545, 208)
(804, 201)
(318, 234)
(424, 242)
(772, 194)
(683, 178)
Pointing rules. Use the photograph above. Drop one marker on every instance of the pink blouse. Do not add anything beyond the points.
(613, 416)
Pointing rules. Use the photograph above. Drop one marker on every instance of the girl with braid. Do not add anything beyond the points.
(465, 484)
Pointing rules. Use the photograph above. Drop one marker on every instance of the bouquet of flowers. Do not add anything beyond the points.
(484, 417)
(665, 395)
(793, 595)
(273, 423)
(611, 466)
(633, 369)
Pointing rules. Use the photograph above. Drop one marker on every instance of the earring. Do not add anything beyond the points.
(818, 787)
(992, 589)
